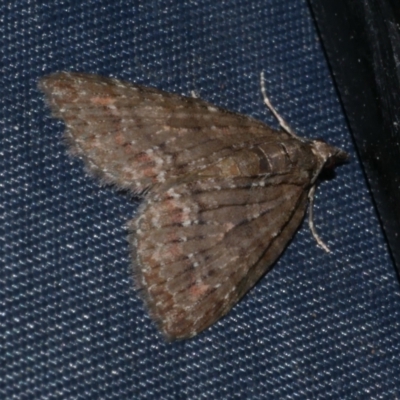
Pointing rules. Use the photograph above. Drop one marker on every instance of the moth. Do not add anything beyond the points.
(222, 192)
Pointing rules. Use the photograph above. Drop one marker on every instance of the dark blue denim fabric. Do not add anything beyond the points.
(319, 325)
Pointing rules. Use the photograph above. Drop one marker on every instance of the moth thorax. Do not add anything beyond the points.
(280, 156)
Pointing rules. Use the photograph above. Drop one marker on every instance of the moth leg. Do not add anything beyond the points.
(311, 220)
(281, 121)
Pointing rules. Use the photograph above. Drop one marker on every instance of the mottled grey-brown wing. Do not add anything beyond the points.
(200, 246)
(134, 137)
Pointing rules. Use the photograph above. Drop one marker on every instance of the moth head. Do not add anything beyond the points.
(328, 156)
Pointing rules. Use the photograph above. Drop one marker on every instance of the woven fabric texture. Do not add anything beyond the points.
(323, 326)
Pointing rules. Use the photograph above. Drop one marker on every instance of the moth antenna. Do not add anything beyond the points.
(281, 121)
(311, 221)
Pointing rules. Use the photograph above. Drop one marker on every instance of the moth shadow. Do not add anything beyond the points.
(327, 175)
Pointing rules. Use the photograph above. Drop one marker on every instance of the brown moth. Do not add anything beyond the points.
(223, 193)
